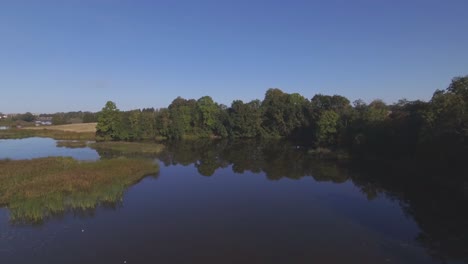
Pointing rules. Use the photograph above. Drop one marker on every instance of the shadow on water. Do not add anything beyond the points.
(435, 196)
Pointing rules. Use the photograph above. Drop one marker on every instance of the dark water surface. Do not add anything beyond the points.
(250, 202)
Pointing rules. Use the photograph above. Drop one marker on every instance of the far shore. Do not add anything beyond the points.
(78, 128)
(82, 131)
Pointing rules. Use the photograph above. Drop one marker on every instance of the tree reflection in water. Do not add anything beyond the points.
(435, 195)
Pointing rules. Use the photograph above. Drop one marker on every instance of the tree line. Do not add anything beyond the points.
(439, 126)
(60, 118)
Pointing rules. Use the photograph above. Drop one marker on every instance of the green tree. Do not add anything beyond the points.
(273, 107)
(245, 119)
(327, 128)
(148, 123)
(59, 119)
(89, 117)
(182, 113)
(377, 111)
(283, 113)
(108, 124)
(162, 122)
(27, 117)
(135, 125)
(445, 128)
(208, 113)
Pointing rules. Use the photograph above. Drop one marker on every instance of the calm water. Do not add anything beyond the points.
(215, 202)
(30, 148)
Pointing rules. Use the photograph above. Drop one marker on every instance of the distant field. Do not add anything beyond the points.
(79, 128)
(62, 132)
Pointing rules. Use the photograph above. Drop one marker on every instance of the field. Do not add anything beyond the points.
(78, 128)
(86, 131)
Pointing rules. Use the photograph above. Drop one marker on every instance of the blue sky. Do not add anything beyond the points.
(75, 55)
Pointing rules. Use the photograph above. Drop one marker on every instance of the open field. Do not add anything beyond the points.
(78, 128)
(86, 131)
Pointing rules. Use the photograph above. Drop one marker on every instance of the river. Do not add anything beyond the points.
(244, 202)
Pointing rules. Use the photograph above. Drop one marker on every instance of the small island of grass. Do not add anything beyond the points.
(33, 190)
(72, 144)
(128, 147)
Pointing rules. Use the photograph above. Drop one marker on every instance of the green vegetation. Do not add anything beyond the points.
(406, 128)
(108, 123)
(128, 147)
(27, 117)
(72, 118)
(36, 189)
(72, 144)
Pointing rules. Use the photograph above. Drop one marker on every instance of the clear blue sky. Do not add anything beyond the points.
(75, 55)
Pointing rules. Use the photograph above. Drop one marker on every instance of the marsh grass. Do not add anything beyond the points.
(36, 189)
(128, 147)
(72, 144)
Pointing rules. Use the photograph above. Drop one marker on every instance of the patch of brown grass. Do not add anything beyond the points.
(72, 144)
(78, 128)
(128, 147)
(33, 178)
(34, 189)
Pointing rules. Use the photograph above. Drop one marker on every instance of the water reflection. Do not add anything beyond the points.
(31, 148)
(275, 159)
(433, 195)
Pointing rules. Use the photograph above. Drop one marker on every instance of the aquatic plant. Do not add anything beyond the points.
(36, 189)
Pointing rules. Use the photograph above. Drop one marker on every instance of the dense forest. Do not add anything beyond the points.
(406, 128)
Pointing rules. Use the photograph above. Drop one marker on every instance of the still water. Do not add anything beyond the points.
(30, 148)
(250, 202)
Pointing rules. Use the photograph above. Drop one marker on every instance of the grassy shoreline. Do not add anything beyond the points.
(128, 147)
(35, 189)
(72, 144)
